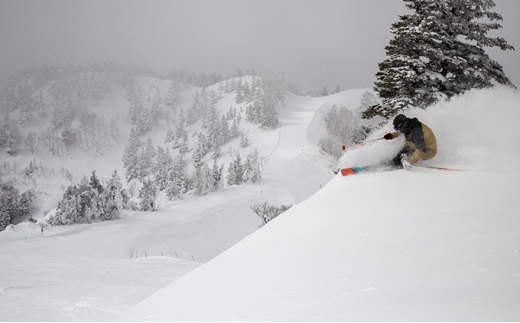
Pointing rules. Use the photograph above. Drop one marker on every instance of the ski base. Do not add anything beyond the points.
(355, 170)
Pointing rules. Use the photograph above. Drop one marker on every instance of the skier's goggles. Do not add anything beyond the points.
(398, 126)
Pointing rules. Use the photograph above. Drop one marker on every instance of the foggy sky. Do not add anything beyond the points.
(316, 42)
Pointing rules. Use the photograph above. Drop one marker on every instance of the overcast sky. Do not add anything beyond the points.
(316, 42)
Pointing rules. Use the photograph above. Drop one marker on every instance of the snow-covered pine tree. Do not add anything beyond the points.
(200, 151)
(180, 128)
(438, 52)
(202, 180)
(217, 180)
(148, 195)
(240, 96)
(229, 114)
(69, 208)
(247, 93)
(130, 156)
(156, 111)
(239, 117)
(144, 122)
(172, 98)
(234, 130)
(252, 168)
(115, 198)
(96, 206)
(177, 179)
(324, 91)
(235, 171)
(25, 203)
(144, 164)
(244, 142)
(343, 128)
(95, 183)
(5, 219)
(213, 133)
(217, 150)
(224, 131)
(194, 112)
(367, 100)
(183, 149)
(161, 166)
(8, 202)
(169, 136)
(136, 107)
(9, 136)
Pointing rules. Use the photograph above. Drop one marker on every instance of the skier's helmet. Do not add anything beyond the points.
(399, 120)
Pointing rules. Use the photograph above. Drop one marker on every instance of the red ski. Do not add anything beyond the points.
(355, 170)
(439, 168)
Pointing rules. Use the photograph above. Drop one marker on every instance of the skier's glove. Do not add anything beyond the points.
(388, 136)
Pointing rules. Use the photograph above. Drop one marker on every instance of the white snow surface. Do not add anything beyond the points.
(420, 245)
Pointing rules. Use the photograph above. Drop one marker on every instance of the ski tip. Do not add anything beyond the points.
(347, 171)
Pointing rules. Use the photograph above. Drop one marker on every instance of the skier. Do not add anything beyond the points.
(419, 138)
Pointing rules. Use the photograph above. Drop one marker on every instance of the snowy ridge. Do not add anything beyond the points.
(400, 245)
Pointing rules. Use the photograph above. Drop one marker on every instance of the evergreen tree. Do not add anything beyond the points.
(161, 166)
(115, 198)
(240, 97)
(200, 151)
(156, 112)
(436, 53)
(217, 180)
(244, 142)
(247, 93)
(25, 203)
(224, 131)
(95, 183)
(144, 123)
(172, 98)
(216, 151)
(69, 209)
(324, 91)
(148, 196)
(177, 179)
(96, 207)
(144, 164)
(234, 130)
(235, 171)
(202, 181)
(169, 136)
(5, 219)
(136, 107)
(130, 157)
(368, 100)
(9, 136)
(252, 168)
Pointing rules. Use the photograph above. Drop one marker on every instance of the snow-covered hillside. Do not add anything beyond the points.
(421, 245)
(398, 245)
(97, 271)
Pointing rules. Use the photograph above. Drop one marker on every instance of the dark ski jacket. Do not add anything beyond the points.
(420, 138)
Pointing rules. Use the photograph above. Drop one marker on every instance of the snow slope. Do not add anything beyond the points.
(95, 272)
(420, 245)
